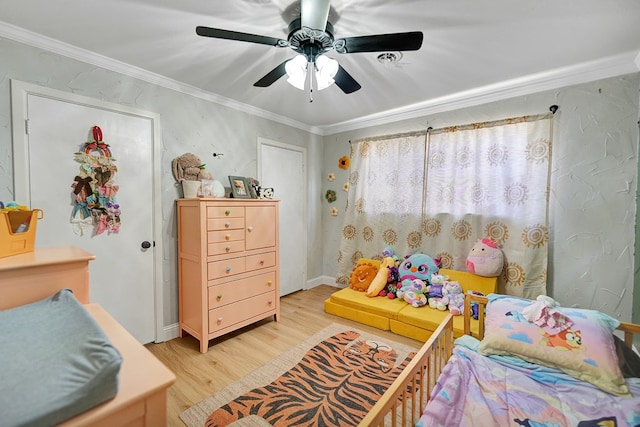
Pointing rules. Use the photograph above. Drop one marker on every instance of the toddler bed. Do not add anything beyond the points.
(564, 368)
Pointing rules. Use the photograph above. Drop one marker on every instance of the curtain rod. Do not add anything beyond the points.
(431, 130)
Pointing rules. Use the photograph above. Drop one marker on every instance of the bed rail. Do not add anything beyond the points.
(628, 329)
(404, 400)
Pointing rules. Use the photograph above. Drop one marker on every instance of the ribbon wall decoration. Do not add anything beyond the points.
(94, 190)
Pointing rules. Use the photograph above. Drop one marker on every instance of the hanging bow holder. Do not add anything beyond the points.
(94, 190)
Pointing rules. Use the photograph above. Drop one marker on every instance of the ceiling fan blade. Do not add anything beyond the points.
(345, 82)
(314, 14)
(380, 42)
(243, 37)
(272, 75)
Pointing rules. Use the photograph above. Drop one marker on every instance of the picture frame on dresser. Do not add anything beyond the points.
(239, 187)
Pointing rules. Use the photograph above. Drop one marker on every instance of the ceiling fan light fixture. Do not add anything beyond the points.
(296, 69)
(326, 70)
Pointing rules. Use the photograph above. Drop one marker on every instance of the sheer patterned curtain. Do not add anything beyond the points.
(492, 180)
(440, 194)
(384, 205)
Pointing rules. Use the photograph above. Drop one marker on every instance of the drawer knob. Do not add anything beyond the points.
(269, 282)
(228, 248)
(219, 320)
(228, 269)
(250, 229)
(219, 296)
(270, 302)
(227, 236)
(227, 212)
(261, 262)
(227, 224)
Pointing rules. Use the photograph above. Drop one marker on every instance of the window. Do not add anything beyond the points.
(439, 192)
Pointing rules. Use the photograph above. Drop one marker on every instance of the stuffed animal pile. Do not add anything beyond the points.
(386, 281)
(445, 294)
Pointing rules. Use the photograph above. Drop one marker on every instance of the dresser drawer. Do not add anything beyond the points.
(225, 212)
(224, 268)
(240, 311)
(256, 262)
(225, 236)
(225, 248)
(225, 223)
(231, 292)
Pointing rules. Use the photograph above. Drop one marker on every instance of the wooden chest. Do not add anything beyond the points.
(228, 261)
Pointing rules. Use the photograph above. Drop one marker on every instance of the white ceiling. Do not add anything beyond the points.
(470, 48)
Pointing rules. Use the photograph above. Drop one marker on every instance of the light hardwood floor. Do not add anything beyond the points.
(237, 354)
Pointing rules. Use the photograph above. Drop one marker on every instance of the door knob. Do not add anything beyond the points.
(145, 245)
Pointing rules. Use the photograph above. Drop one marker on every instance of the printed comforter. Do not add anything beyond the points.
(476, 390)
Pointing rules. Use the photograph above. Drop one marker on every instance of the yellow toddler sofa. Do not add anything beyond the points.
(401, 318)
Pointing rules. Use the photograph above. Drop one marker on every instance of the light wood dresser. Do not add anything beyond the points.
(44, 271)
(228, 265)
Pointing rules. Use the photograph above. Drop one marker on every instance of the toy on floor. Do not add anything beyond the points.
(485, 258)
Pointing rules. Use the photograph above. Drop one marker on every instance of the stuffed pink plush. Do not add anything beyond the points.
(485, 259)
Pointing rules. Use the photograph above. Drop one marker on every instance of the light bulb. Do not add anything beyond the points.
(296, 69)
(326, 69)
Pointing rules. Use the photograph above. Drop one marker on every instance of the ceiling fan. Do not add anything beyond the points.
(311, 36)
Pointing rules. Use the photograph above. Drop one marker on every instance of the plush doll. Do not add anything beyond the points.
(362, 276)
(485, 259)
(390, 290)
(414, 294)
(188, 167)
(388, 252)
(434, 291)
(381, 279)
(454, 297)
(416, 266)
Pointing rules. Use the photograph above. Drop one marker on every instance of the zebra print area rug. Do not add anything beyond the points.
(331, 379)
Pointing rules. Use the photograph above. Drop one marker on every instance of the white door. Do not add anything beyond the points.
(122, 275)
(283, 168)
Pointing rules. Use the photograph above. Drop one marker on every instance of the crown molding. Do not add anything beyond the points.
(30, 38)
(617, 65)
(576, 74)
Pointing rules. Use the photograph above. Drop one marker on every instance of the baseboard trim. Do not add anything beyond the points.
(323, 280)
(168, 333)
